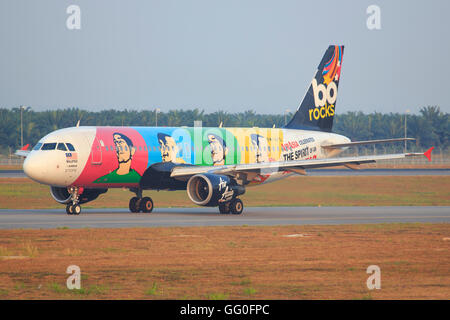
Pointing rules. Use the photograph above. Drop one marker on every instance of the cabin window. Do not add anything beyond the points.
(246, 148)
(37, 146)
(61, 146)
(70, 147)
(106, 148)
(49, 146)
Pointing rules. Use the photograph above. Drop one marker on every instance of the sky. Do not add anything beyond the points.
(215, 55)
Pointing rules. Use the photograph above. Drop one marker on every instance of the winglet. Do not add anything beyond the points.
(25, 147)
(428, 153)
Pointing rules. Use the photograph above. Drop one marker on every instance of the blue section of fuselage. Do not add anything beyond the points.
(181, 137)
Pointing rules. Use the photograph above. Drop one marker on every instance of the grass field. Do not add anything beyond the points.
(22, 193)
(281, 262)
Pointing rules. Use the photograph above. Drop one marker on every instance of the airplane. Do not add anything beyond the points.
(213, 165)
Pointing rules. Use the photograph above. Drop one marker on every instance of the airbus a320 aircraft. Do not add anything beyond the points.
(214, 165)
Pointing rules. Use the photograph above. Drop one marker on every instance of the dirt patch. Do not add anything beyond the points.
(229, 262)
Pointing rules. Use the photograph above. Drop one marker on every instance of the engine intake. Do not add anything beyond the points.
(212, 189)
(61, 195)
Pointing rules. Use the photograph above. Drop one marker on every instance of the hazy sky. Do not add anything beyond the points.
(229, 55)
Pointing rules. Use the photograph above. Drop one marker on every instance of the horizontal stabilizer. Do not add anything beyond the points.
(22, 153)
(358, 143)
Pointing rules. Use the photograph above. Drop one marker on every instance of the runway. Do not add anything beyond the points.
(317, 172)
(252, 216)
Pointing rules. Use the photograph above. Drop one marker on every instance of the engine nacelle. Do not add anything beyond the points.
(61, 195)
(212, 189)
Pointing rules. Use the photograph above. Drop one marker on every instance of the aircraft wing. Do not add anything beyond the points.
(297, 166)
(358, 143)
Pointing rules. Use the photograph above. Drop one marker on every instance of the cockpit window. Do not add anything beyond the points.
(62, 147)
(70, 147)
(37, 146)
(49, 146)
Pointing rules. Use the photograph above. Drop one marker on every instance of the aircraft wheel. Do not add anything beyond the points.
(146, 204)
(134, 204)
(236, 206)
(69, 209)
(76, 209)
(224, 208)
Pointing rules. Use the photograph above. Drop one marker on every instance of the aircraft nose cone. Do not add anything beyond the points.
(34, 168)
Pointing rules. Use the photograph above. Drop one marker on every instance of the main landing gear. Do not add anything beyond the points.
(235, 206)
(73, 207)
(139, 203)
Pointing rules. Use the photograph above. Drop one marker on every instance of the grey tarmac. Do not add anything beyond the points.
(252, 216)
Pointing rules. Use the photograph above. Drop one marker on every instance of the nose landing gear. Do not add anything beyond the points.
(74, 207)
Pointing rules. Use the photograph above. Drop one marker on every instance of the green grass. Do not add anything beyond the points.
(301, 191)
(153, 290)
(30, 250)
(91, 290)
(55, 287)
(249, 291)
(244, 282)
(4, 252)
(19, 286)
(217, 296)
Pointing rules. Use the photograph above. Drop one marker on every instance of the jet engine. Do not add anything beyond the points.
(62, 195)
(212, 189)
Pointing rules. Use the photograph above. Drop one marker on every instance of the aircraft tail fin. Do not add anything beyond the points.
(318, 107)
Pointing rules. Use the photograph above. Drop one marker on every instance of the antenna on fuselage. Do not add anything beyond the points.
(221, 123)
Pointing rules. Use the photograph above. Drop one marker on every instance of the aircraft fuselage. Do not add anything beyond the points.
(116, 157)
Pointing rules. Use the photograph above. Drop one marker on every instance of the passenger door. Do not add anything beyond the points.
(96, 154)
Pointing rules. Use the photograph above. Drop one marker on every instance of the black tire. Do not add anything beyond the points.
(134, 204)
(236, 206)
(224, 208)
(76, 209)
(146, 205)
(69, 209)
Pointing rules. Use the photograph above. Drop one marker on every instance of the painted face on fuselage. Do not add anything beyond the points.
(261, 146)
(123, 149)
(169, 149)
(218, 150)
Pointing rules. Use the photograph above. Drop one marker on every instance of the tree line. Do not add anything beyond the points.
(431, 127)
